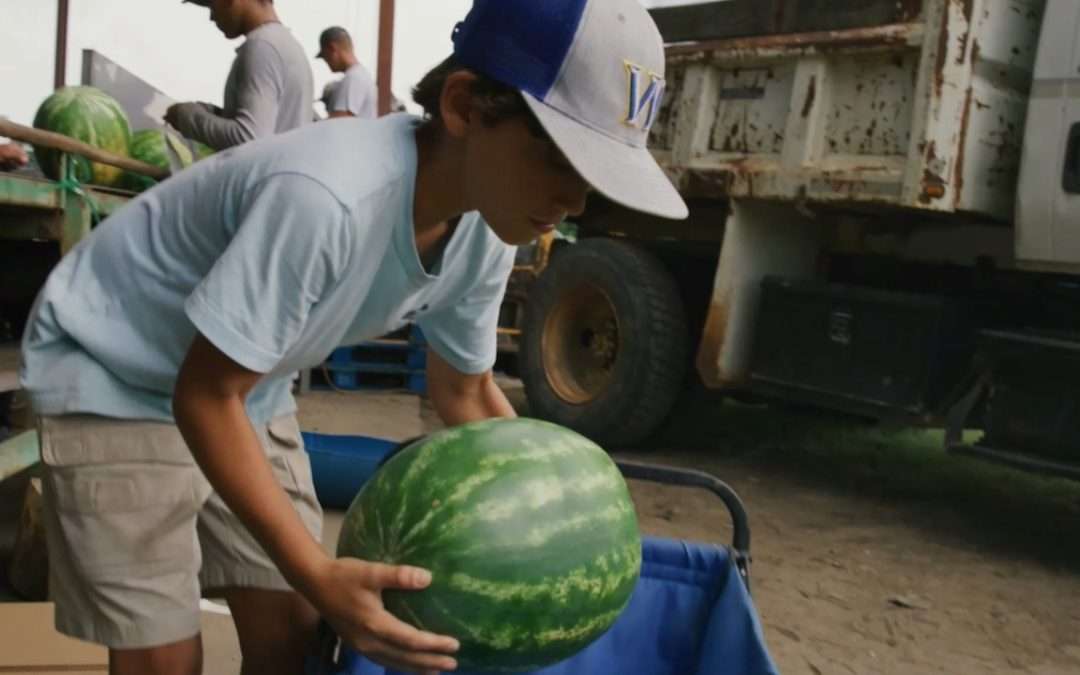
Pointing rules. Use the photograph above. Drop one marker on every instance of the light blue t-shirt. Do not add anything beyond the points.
(278, 252)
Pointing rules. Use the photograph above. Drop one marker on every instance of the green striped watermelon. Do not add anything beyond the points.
(148, 145)
(202, 150)
(91, 116)
(528, 530)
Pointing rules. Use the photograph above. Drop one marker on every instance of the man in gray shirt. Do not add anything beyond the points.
(355, 94)
(270, 86)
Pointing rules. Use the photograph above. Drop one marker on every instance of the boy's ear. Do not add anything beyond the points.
(456, 102)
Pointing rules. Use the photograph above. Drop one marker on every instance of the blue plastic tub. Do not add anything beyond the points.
(340, 465)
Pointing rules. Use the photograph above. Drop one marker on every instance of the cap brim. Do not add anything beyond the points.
(624, 174)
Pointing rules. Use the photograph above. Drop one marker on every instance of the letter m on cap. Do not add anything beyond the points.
(644, 91)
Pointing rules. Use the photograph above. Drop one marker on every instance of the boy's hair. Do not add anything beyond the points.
(495, 101)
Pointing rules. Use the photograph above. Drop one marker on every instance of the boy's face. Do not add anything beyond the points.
(520, 183)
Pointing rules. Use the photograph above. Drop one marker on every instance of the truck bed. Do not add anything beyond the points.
(917, 104)
(745, 18)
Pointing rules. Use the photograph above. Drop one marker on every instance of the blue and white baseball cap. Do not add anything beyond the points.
(593, 73)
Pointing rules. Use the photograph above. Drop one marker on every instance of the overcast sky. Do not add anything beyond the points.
(177, 49)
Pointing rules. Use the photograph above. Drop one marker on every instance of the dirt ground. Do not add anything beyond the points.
(873, 551)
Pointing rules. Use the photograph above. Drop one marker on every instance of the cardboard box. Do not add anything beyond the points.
(30, 644)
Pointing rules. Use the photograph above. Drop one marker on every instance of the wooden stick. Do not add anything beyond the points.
(63, 143)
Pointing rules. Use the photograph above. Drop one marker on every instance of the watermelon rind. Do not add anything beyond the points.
(527, 528)
(148, 145)
(91, 116)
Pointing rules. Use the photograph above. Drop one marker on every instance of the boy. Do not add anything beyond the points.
(160, 349)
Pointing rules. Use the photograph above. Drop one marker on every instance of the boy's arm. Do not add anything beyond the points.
(459, 397)
(208, 405)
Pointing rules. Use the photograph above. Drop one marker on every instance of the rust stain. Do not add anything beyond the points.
(877, 36)
(712, 342)
(939, 63)
(965, 120)
(811, 94)
(969, 10)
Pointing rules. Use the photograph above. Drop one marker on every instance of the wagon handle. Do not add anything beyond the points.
(63, 143)
(693, 478)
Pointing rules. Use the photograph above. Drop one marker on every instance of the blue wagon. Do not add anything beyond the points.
(691, 613)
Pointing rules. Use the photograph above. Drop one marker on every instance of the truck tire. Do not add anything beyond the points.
(604, 345)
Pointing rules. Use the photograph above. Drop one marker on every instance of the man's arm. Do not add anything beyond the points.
(461, 398)
(258, 90)
(208, 405)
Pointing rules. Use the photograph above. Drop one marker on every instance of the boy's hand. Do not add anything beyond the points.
(349, 596)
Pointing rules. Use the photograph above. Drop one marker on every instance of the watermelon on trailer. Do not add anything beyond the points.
(202, 150)
(91, 116)
(148, 145)
(528, 530)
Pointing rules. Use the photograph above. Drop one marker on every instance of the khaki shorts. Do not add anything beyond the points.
(135, 533)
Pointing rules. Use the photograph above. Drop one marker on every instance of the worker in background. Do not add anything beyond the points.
(12, 156)
(354, 95)
(270, 86)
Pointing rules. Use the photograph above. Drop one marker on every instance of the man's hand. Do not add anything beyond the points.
(178, 114)
(177, 111)
(12, 156)
(348, 593)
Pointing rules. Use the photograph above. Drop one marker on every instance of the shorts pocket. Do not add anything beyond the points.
(127, 519)
(292, 468)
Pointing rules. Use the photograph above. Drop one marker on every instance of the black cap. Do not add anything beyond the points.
(332, 34)
(201, 3)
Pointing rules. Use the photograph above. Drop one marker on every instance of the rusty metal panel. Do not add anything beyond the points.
(752, 110)
(870, 112)
(744, 18)
(1004, 45)
(924, 115)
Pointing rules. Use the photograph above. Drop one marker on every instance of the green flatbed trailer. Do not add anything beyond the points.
(40, 220)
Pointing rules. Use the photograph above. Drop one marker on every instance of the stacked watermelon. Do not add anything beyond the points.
(148, 145)
(528, 530)
(91, 116)
(95, 118)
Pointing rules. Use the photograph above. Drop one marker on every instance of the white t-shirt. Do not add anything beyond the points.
(278, 251)
(355, 93)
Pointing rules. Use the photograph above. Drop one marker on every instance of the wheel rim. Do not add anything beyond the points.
(580, 344)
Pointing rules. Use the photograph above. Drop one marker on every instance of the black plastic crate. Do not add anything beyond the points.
(1033, 405)
(859, 350)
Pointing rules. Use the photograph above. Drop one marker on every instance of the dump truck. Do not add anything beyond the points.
(884, 221)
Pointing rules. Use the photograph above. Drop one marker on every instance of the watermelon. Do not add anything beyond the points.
(527, 528)
(148, 145)
(91, 116)
(202, 150)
